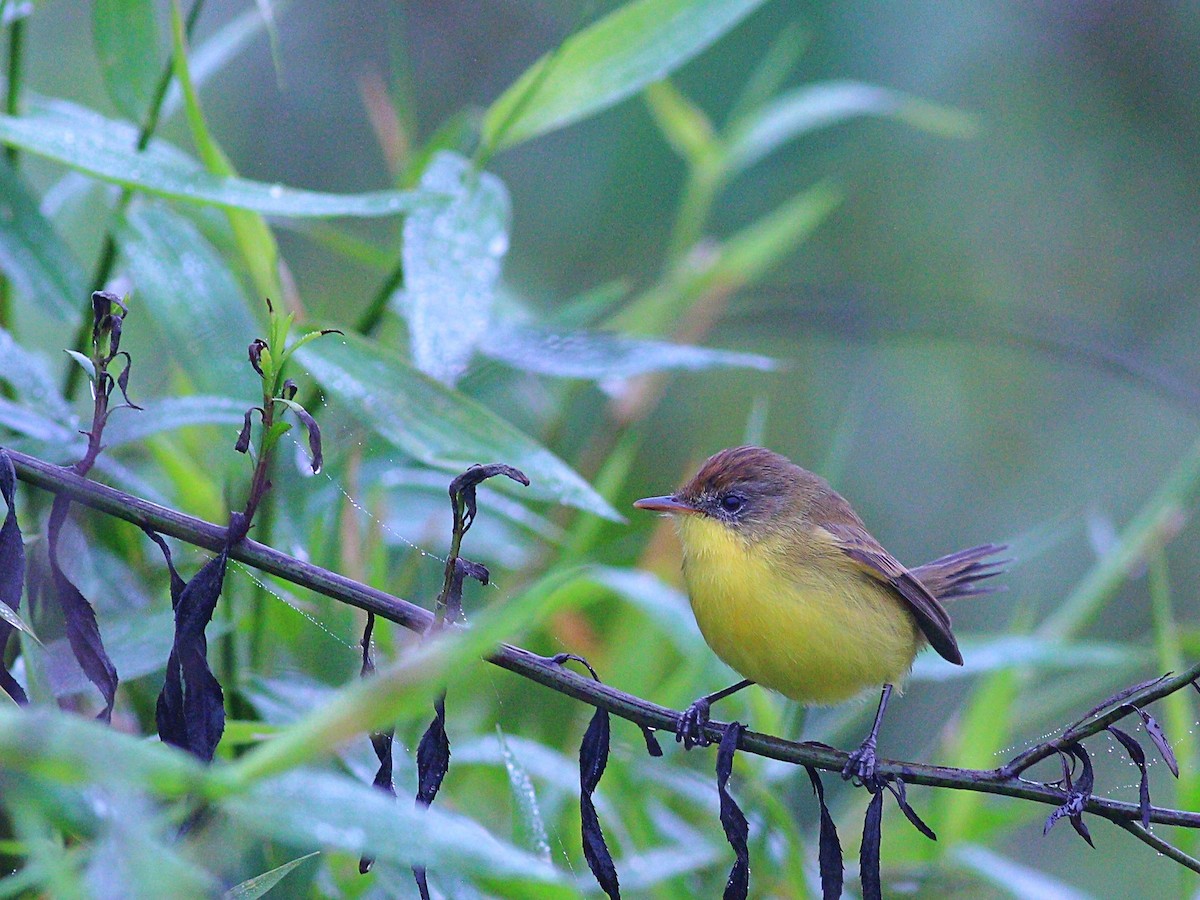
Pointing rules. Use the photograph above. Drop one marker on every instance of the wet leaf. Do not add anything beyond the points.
(600, 356)
(103, 148)
(435, 424)
(452, 255)
(193, 300)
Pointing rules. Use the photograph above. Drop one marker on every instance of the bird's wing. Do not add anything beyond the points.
(932, 618)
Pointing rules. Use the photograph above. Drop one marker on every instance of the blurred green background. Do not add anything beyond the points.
(990, 338)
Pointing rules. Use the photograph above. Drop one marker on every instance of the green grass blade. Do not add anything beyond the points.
(612, 59)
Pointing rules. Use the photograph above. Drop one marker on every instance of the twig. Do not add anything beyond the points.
(1149, 837)
(546, 672)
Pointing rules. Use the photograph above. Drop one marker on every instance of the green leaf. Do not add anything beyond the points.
(1011, 878)
(597, 355)
(31, 422)
(452, 255)
(169, 413)
(29, 377)
(70, 750)
(259, 885)
(259, 252)
(103, 148)
(740, 261)
(1041, 653)
(684, 124)
(531, 827)
(85, 363)
(319, 809)
(808, 108)
(192, 298)
(667, 606)
(33, 256)
(436, 425)
(640, 43)
(125, 34)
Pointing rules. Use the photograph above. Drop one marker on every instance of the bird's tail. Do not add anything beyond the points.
(960, 574)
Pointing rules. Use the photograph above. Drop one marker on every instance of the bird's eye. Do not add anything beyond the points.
(732, 503)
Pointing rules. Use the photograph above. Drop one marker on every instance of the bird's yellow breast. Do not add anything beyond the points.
(818, 631)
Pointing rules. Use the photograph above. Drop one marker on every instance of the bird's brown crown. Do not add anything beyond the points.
(756, 468)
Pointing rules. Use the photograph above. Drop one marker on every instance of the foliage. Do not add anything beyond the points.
(441, 361)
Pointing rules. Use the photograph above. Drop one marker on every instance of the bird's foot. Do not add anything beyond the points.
(860, 767)
(690, 730)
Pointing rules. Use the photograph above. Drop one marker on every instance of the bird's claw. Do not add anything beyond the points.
(861, 765)
(690, 730)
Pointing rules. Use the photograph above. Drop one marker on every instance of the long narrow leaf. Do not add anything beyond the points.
(103, 149)
(610, 60)
(32, 254)
(434, 424)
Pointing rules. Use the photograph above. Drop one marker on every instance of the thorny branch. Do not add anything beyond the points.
(1005, 780)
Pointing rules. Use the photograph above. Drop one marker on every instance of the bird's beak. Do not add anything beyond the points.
(664, 504)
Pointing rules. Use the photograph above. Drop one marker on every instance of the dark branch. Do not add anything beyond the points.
(545, 671)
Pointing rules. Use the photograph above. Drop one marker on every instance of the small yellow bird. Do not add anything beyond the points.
(790, 589)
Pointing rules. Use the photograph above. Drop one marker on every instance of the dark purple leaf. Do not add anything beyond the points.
(1159, 739)
(168, 712)
(289, 389)
(593, 757)
(653, 747)
(257, 346)
(1078, 793)
(733, 820)
(896, 786)
(177, 583)
(462, 488)
(83, 633)
(314, 436)
(433, 760)
(123, 381)
(868, 855)
(1122, 695)
(1134, 749)
(381, 741)
(243, 441)
(829, 852)
(202, 709)
(433, 755)
(12, 570)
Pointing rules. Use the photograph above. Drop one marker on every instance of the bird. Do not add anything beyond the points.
(790, 589)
